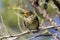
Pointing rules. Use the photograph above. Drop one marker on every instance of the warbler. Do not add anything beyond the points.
(31, 21)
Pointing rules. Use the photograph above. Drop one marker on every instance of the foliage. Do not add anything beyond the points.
(10, 19)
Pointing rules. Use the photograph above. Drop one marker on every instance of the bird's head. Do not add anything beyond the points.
(28, 14)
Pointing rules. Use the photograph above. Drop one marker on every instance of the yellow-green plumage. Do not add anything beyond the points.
(31, 22)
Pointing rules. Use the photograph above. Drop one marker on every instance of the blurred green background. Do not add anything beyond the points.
(9, 20)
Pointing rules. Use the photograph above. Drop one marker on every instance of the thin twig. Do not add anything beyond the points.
(48, 27)
(4, 26)
(19, 25)
(39, 36)
(18, 35)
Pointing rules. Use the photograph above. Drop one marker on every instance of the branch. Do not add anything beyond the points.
(42, 12)
(40, 35)
(43, 28)
(18, 35)
(4, 26)
(19, 25)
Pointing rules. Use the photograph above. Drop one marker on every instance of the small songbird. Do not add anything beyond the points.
(31, 21)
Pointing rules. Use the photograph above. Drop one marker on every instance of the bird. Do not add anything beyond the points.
(31, 21)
